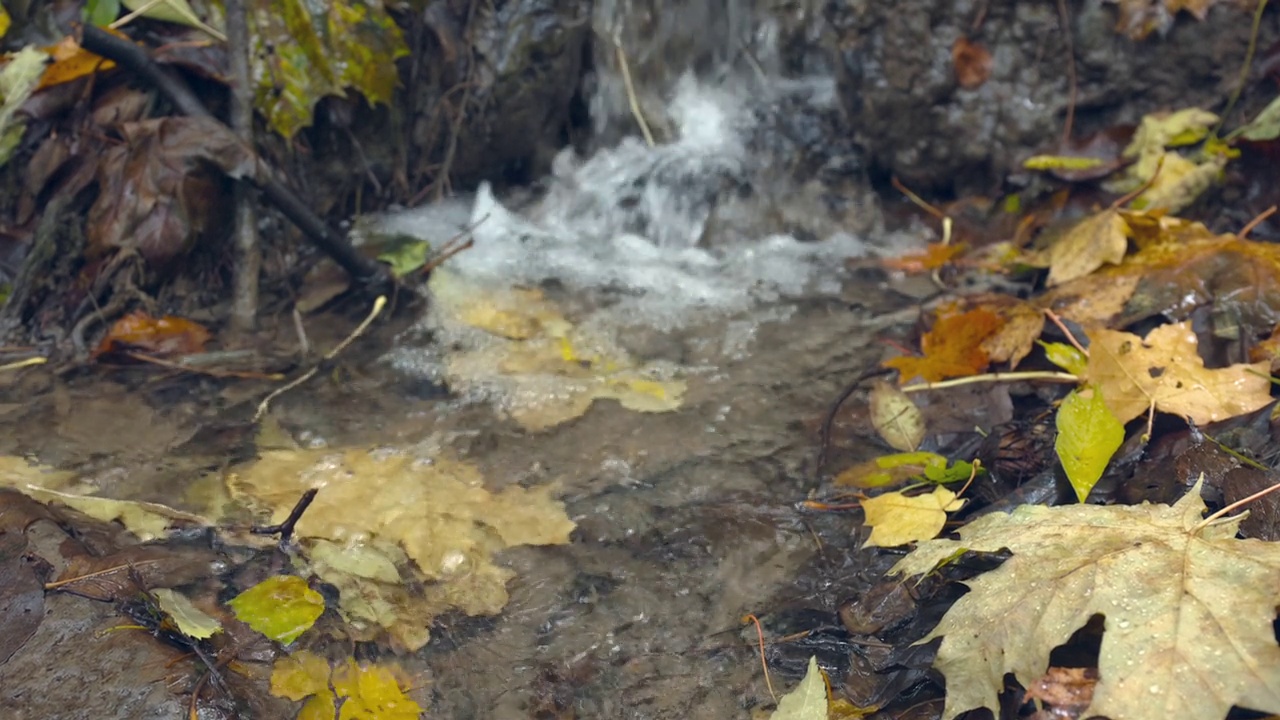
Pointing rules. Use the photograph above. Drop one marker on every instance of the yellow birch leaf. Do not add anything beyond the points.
(1088, 435)
(896, 519)
(281, 607)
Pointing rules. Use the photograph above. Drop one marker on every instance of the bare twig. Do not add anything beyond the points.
(632, 100)
(244, 305)
(265, 405)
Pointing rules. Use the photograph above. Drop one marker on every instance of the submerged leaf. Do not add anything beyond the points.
(281, 607)
(1188, 609)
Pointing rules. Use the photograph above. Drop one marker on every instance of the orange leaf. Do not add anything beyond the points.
(971, 62)
(166, 336)
(932, 257)
(70, 61)
(953, 348)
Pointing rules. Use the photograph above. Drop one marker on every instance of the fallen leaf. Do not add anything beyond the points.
(70, 61)
(298, 675)
(971, 61)
(1066, 357)
(953, 348)
(542, 370)
(146, 520)
(934, 256)
(282, 607)
(898, 421)
(808, 701)
(158, 194)
(1140, 18)
(1188, 609)
(1023, 323)
(1098, 240)
(371, 692)
(163, 337)
(191, 620)
(1066, 689)
(18, 79)
(301, 55)
(896, 519)
(428, 516)
(1165, 371)
(1088, 436)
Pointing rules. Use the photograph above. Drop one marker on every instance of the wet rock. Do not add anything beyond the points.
(900, 92)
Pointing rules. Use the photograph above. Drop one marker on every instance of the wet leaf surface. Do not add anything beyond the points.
(1188, 608)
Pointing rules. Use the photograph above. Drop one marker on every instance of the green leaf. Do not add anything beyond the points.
(1266, 126)
(808, 701)
(1065, 356)
(302, 56)
(944, 474)
(1061, 162)
(1088, 435)
(101, 12)
(191, 620)
(281, 607)
(404, 253)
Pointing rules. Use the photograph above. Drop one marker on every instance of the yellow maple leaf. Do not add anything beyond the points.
(1165, 371)
(1188, 608)
(897, 519)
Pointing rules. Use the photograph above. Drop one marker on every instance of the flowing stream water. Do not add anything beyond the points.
(713, 258)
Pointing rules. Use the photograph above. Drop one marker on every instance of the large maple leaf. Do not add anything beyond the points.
(1188, 609)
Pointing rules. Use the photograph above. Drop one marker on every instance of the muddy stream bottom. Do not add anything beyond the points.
(686, 520)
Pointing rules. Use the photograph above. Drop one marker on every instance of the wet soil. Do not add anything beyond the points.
(687, 521)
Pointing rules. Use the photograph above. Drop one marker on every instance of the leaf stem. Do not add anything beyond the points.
(1047, 375)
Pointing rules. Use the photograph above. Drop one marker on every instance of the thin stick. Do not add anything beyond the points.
(1243, 501)
(285, 529)
(211, 372)
(919, 201)
(263, 406)
(18, 364)
(763, 663)
(1256, 222)
(1071, 338)
(1046, 375)
(1072, 83)
(1141, 188)
(632, 100)
(1244, 68)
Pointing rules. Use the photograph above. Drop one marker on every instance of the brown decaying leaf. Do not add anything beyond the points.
(156, 193)
(953, 348)
(897, 420)
(971, 62)
(1164, 370)
(21, 591)
(1065, 688)
(1140, 18)
(1023, 323)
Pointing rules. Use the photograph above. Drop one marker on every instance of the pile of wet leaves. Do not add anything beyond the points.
(1091, 453)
